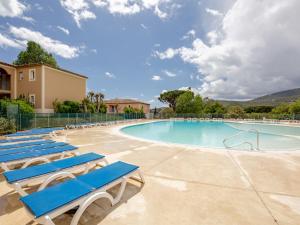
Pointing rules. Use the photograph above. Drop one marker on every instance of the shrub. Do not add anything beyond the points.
(23, 106)
(7, 126)
(66, 106)
(167, 113)
(259, 109)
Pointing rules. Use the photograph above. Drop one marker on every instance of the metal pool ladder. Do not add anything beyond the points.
(246, 142)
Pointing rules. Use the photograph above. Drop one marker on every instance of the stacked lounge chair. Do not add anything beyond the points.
(5, 141)
(25, 144)
(79, 191)
(35, 132)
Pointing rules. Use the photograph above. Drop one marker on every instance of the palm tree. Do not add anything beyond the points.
(91, 95)
(97, 98)
(85, 103)
(101, 97)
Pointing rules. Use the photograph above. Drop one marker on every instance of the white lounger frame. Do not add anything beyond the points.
(6, 166)
(86, 201)
(45, 179)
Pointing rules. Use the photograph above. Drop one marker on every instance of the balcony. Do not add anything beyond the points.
(5, 84)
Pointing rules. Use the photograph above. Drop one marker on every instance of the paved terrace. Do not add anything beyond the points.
(184, 186)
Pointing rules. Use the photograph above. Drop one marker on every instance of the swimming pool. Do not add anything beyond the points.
(211, 134)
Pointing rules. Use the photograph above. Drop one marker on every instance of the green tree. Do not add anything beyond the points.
(214, 107)
(34, 53)
(259, 109)
(281, 109)
(170, 97)
(189, 103)
(235, 111)
(295, 107)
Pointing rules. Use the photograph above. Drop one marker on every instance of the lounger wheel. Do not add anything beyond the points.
(87, 203)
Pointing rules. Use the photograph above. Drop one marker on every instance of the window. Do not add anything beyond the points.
(32, 99)
(32, 75)
(21, 76)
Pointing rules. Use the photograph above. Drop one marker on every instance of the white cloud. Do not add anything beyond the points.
(65, 30)
(8, 42)
(94, 51)
(38, 6)
(164, 91)
(23, 34)
(144, 26)
(151, 101)
(14, 8)
(213, 37)
(168, 54)
(257, 53)
(190, 34)
(213, 12)
(156, 77)
(81, 9)
(169, 73)
(110, 75)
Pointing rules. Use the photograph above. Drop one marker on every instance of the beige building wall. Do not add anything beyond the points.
(122, 106)
(62, 86)
(27, 87)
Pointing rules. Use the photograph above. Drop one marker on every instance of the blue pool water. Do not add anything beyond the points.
(212, 133)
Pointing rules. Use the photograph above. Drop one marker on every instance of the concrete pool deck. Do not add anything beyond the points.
(184, 186)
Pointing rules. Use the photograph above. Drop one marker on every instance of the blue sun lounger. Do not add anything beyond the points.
(19, 140)
(81, 191)
(31, 148)
(38, 131)
(25, 144)
(28, 158)
(45, 173)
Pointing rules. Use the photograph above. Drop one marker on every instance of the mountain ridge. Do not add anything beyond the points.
(286, 96)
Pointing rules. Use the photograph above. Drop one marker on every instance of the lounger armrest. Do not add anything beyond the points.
(34, 160)
(54, 177)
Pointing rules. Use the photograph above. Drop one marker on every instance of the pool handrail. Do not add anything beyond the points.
(246, 142)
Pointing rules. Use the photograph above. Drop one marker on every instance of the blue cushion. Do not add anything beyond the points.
(31, 148)
(42, 202)
(38, 170)
(49, 199)
(26, 144)
(33, 154)
(101, 177)
(20, 139)
(77, 160)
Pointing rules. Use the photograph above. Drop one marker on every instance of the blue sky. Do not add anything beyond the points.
(137, 49)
